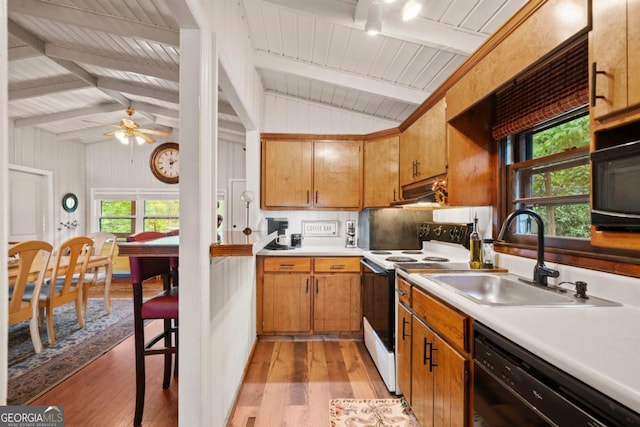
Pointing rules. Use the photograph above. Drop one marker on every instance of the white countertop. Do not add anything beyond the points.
(598, 345)
(314, 251)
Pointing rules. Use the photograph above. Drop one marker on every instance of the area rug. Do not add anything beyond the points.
(31, 374)
(371, 413)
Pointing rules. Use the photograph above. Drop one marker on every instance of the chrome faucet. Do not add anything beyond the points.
(540, 271)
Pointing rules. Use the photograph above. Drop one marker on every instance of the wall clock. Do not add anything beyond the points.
(164, 163)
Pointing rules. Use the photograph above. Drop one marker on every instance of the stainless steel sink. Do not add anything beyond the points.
(509, 290)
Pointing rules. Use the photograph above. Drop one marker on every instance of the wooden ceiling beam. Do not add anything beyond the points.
(45, 87)
(16, 53)
(148, 91)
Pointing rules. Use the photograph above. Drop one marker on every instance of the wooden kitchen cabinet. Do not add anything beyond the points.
(337, 174)
(286, 295)
(423, 146)
(305, 295)
(287, 174)
(403, 351)
(615, 41)
(381, 180)
(434, 359)
(308, 174)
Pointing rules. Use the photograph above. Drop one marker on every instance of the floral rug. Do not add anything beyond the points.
(371, 413)
(31, 374)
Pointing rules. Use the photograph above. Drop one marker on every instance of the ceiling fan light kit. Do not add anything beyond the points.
(411, 9)
(129, 131)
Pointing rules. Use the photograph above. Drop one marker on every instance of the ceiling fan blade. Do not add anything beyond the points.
(101, 123)
(154, 132)
(145, 137)
(110, 133)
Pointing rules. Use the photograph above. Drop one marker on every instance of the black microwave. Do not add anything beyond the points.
(615, 198)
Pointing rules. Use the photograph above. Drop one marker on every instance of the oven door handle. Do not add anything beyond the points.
(373, 267)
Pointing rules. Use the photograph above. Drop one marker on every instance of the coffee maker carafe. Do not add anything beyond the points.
(280, 225)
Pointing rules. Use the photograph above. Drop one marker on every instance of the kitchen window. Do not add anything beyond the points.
(548, 171)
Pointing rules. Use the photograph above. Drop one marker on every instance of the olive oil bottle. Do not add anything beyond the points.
(475, 247)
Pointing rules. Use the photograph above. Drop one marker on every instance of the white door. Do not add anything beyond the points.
(28, 205)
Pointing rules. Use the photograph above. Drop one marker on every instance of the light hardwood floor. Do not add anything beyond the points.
(290, 383)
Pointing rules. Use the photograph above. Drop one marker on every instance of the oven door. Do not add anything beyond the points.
(379, 299)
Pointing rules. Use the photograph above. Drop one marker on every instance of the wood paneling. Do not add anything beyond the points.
(381, 168)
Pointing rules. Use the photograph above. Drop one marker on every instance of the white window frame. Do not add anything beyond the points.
(139, 195)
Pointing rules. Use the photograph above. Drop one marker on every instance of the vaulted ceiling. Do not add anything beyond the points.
(77, 60)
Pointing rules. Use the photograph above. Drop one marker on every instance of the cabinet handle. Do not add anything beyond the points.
(404, 333)
(424, 351)
(394, 194)
(417, 165)
(316, 286)
(413, 169)
(307, 289)
(307, 196)
(594, 73)
(337, 266)
(286, 265)
(431, 350)
(401, 292)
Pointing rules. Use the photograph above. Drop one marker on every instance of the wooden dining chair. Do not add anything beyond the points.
(102, 273)
(162, 306)
(28, 253)
(60, 288)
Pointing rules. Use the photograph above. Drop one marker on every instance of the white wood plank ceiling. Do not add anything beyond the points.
(75, 60)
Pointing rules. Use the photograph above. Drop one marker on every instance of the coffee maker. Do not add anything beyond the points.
(350, 234)
(280, 225)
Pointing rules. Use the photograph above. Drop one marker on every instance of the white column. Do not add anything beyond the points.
(198, 141)
(4, 200)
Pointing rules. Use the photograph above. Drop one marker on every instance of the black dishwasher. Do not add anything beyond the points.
(513, 387)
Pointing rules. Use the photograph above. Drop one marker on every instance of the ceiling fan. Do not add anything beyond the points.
(130, 131)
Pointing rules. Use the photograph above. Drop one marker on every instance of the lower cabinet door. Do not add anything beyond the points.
(450, 384)
(286, 302)
(422, 376)
(337, 305)
(403, 351)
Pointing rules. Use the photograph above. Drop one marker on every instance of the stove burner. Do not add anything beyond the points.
(380, 253)
(435, 259)
(414, 252)
(400, 259)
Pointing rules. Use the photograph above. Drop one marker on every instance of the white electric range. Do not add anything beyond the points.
(442, 244)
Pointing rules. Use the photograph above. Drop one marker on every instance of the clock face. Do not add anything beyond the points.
(164, 163)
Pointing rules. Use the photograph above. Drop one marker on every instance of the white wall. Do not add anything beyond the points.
(4, 199)
(289, 115)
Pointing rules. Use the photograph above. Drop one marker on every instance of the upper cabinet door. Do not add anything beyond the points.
(337, 174)
(423, 146)
(287, 170)
(381, 182)
(615, 41)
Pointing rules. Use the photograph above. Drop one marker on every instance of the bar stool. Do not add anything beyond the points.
(162, 306)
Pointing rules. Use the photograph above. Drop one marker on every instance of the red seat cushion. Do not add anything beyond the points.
(162, 306)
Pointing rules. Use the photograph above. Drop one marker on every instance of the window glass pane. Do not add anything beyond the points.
(161, 208)
(162, 225)
(118, 226)
(561, 182)
(117, 208)
(566, 220)
(556, 139)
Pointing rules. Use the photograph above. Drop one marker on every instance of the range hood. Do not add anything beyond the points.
(430, 193)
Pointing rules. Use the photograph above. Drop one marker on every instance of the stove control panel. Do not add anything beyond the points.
(445, 232)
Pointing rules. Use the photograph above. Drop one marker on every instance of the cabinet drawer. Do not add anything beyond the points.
(403, 289)
(297, 264)
(337, 264)
(451, 324)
